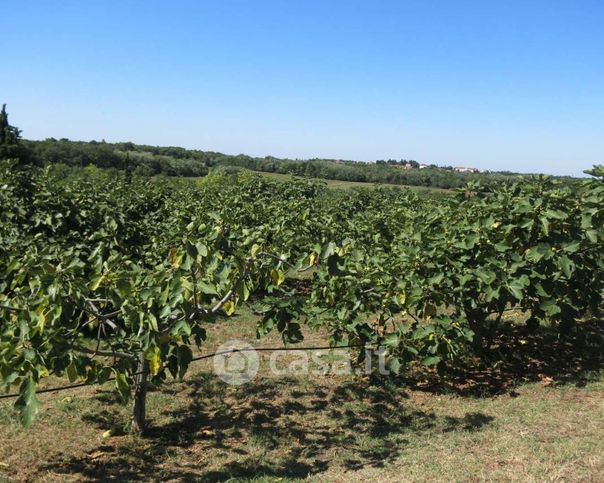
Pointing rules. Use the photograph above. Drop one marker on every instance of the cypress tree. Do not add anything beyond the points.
(10, 138)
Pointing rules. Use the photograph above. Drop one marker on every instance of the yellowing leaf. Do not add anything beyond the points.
(175, 258)
(274, 276)
(229, 307)
(108, 433)
(41, 319)
(277, 276)
(96, 282)
(313, 258)
(186, 283)
(43, 372)
(154, 359)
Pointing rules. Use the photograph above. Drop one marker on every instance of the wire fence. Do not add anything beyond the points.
(199, 358)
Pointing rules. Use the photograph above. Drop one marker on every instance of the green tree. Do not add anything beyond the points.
(10, 137)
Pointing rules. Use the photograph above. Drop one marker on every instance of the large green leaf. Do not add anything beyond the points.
(27, 404)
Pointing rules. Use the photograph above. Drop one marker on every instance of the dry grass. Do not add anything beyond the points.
(329, 428)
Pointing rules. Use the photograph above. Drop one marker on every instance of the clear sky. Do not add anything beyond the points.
(492, 84)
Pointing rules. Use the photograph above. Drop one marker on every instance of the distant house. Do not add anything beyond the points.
(403, 166)
(461, 169)
(422, 166)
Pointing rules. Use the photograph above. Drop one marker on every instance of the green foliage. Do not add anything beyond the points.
(174, 161)
(10, 138)
(141, 160)
(597, 171)
(103, 270)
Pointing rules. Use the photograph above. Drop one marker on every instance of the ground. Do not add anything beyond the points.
(538, 417)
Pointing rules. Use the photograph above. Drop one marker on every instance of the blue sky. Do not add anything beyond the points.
(493, 84)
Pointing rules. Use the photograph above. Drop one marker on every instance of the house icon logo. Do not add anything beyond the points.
(236, 362)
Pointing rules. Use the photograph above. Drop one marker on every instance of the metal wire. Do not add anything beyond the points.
(195, 359)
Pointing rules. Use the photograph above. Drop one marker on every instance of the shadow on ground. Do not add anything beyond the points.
(288, 428)
(274, 428)
(520, 355)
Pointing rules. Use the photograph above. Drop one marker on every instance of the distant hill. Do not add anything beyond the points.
(176, 161)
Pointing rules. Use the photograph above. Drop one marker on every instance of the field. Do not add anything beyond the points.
(289, 241)
(337, 184)
(471, 323)
(332, 428)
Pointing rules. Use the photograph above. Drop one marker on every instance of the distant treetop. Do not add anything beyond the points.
(10, 138)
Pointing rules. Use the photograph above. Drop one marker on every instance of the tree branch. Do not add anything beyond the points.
(231, 291)
(285, 262)
(12, 309)
(111, 353)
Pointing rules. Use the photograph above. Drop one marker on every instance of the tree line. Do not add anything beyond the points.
(176, 161)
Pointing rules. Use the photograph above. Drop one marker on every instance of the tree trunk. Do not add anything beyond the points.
(476, 321)
(140, 397)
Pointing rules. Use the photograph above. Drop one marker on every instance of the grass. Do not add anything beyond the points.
(328, 428)
(337, 184)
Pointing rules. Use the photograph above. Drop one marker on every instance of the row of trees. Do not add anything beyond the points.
(366, 172)
(106, 155)
(143, 160)
(176, 161)
(109, 276)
